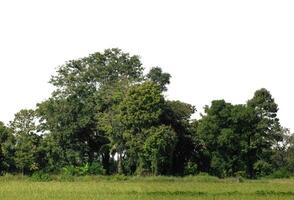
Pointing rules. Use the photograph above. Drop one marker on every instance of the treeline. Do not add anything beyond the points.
(106, 116)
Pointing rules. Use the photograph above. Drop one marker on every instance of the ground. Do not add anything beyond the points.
(163, 188)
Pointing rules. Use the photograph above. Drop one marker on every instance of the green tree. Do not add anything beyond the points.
(267, 130)
(71, 115)
(142, 106)
(159, 148)
(24, 127)
(140, 110)
(240, 137)
(221, 140)
(6, 149)
(109, 119)
(157, 76)
(178, 114)
(283, 156)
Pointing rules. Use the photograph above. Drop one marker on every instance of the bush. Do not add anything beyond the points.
(262, 168)
(281, 173)
(191, 169)
(69, 171)
(86, 169)
(41, 177)
(96, 169)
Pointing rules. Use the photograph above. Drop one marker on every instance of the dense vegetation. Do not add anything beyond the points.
(106, 116)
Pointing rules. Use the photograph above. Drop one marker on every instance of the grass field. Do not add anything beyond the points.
(163, 188)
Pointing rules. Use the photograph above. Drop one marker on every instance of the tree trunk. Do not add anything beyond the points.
(119, 164)
(250, 160)
(105, 162)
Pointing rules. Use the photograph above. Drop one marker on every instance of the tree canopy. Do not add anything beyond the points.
(106, 116)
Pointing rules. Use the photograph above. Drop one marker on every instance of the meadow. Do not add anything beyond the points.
(163, 188)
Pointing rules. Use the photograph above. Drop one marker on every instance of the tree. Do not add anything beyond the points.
(96, 70)
(290, 156)
(157, 76)
(159, 148)
(140, 110)
(27, 141)
(142, 106)
(71, 115)
(266, 132)
(6, 149)
(283, 156)
(109, 118)
(240, 137)
(221, 141)
(178, 114)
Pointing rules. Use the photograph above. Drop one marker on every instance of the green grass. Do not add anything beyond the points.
(163, 188)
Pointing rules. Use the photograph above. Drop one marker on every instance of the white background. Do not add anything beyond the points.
(213, 49)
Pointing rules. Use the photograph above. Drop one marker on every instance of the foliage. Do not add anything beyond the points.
(191, 169)
(157, 76)
(106, 117)
(7, 149)
(158, 149)
(86, 169)
(41, 177)
(262, 168)
(281, 173)
(27, 155)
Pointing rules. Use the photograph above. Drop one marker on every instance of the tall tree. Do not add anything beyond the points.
(140, 110)
(267, 131)
(221, 140)
(7, 143)
(27, 141)
(71, 115)
(109, 119)
(240, 137)
(178, 114)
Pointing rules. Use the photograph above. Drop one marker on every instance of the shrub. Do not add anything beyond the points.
(262, 168)
(96, 169)
(41, 177)
(86, 169)
(281, 173)
(191, 169)
(69, 171)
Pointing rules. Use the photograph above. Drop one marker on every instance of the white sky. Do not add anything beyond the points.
(213, 49)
